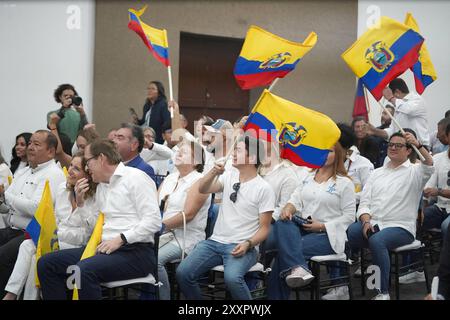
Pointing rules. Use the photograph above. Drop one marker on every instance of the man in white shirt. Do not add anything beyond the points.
(155, 154)
(243, 223)
(438, 139)
(410, 112)
(23, 197)
(438, 215)
(389, 205)
(127, 197)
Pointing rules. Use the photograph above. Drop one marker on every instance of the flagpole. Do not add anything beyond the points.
(169, 74)
(273, 84)
(421, 157)
(367, 101)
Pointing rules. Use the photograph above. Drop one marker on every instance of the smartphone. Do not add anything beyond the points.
(370, 233)
(300, 221)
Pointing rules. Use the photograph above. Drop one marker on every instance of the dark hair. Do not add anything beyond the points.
(356, 119)
(58, 92)
(399, 84)
(348, 137)
(92, 185)
(161, 90)
(249, 142)
(107, 148)
(51, 140)
(412, 156)
(136, 132)
(447, 114)
(207, 121)
(447, 130)
(166, 126)
(444, 122)
(15, 161)
(390, 107)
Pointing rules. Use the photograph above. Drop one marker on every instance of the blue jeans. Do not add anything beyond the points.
(295, 247)
(379, 244)
(128, 262)
(208, 254)
(435, 217)
(169, 252)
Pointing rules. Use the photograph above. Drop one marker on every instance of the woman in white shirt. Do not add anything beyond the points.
(75, 226)
(19, 152)
(313, 222)
(5, 173)
(176, 189)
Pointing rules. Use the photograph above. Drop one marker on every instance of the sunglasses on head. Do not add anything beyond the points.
(236, 187)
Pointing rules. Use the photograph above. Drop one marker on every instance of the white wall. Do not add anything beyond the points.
(433, 18)
(43, 44)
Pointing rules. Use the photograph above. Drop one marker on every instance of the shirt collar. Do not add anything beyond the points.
(42, 166)
(133, 161)
(405, 164)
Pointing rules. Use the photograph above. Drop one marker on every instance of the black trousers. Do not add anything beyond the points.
(10, 240)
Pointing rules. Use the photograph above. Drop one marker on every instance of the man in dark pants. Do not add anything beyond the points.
(128, 198)
(23, 196)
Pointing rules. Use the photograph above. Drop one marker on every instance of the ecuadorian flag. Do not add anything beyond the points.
(423, 69)
(360, 106)
(306, 136)
(42, 227)
(382, 53)
(154, 39)
(265, 56)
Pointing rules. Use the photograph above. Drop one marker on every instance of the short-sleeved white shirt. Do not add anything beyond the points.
(239, 221)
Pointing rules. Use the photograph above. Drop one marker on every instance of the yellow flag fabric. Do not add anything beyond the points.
(382, 53)
(42, 227)
(66, 173)
(305, 135)
(265, 56)
(424, 72)
(92, 244)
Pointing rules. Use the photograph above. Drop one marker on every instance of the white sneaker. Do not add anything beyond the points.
(299, 277)
(339, 293)
(412, 277)
(382, 296)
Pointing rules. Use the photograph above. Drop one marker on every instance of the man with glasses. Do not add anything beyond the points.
(438, 215)
(128, 198)
(243, 223)
(389, 205)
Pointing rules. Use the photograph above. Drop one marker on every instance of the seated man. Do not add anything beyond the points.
(128, 198)
(438, 215)
(23, 196)
(389, 205)
(243, 222)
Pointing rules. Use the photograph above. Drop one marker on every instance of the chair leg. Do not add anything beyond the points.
(425, 270)
(317, 284)
(397, 277)
(350, 288)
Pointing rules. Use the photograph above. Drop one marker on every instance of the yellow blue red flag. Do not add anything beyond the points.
(382, 53)
(423, 69)
(306, 136)
(154, 39)
(265, 56)
(91, 247)
(42, 227)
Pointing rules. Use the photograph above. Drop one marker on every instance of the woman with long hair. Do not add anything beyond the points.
(19, 152)
(313, 222)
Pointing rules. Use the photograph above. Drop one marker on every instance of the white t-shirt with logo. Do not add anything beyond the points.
(239, 221)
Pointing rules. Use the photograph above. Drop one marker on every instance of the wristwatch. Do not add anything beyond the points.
(124, 239)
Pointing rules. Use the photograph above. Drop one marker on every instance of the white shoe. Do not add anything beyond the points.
(339, 293)
(382, 296)
(299, 277)
(412, 277)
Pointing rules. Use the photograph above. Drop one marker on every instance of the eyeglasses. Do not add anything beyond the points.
(236, 187)
(87, 162)
(396, 145)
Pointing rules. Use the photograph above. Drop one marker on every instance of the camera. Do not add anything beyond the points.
(60, 113)
(300, 221)
(77, 101)
(370, 233)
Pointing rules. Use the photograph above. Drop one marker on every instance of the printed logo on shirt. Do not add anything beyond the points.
(332, 188)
